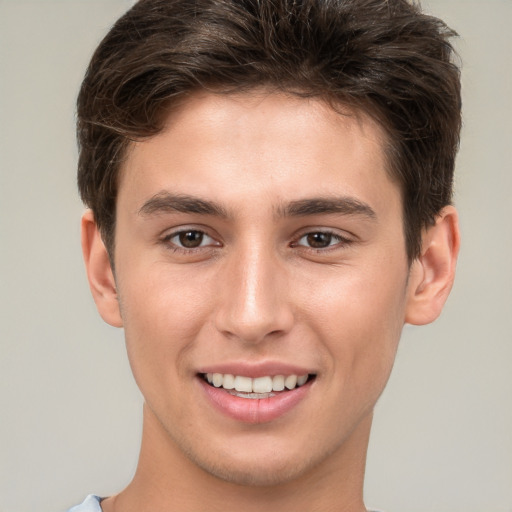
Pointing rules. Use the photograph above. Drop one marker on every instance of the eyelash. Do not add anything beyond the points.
(167, 239)
(340, 241)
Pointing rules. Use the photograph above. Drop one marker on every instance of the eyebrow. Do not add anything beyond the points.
(165, 202)
(328, 205)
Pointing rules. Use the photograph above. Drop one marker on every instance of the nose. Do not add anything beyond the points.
(253, 304)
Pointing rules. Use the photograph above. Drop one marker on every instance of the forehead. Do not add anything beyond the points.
(260, 145)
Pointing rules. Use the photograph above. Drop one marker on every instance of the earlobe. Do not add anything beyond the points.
(432, 273)
(99, 272)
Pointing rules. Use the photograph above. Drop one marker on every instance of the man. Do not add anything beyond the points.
(269, 185)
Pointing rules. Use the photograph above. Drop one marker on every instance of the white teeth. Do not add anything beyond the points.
(229, 381)
(291, 381)
(243, 384)
(262, 385)
(302, 380)
(278, 383)
(259, 385)
(218, 379)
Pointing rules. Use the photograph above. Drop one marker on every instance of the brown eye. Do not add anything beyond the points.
(190, 239)
(319, 240)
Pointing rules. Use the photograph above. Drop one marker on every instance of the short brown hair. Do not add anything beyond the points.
(382, 57)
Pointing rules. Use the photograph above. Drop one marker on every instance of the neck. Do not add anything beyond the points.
(167, 480)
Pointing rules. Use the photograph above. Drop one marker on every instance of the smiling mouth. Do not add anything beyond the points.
(257, 388)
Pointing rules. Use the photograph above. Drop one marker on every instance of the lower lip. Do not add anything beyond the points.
(254, 410)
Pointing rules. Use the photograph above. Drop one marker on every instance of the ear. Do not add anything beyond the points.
(432, 273)
(99, 272)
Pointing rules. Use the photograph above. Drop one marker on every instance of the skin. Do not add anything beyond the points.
(255, 291)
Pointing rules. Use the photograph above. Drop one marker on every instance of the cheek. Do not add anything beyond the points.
(162, 300)
(360, 318)
(162, 315)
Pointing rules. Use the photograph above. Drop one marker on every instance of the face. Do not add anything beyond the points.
(259, 240)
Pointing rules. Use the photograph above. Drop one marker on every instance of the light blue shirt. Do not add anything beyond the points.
(90, 504)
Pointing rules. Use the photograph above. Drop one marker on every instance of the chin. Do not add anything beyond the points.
(254, 476)
(254, 473)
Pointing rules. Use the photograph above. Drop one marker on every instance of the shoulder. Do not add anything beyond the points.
(90, 504)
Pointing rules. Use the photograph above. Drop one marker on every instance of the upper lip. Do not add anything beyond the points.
(254, 370)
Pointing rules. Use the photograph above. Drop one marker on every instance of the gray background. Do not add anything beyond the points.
(70, 412)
